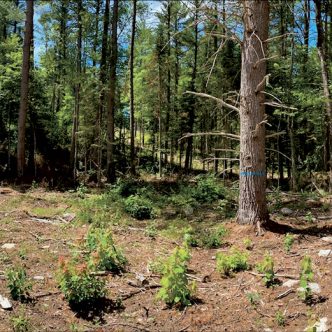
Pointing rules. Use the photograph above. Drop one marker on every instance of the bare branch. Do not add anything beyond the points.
(276, 37)
(214, 61)
(275, 134)
(261, 86)
(212, 159)
(218, 133)
(273, 150)
(273, 96)
(264, 59)
(225, 150)
(277, 105)
(218, 100)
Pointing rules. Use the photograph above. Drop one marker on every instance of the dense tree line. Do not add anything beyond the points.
(119, 88)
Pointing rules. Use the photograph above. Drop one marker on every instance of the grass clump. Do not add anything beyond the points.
(139, 207)
(18, 283)
(234, 262)
(175, 287)
(267, 268)
(306, 275)
(280, 318)
(253, 298)
(103, 253)
(207, 238)
(20, 323)
(288, 242)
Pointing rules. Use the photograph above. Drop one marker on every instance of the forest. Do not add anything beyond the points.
(165, 165)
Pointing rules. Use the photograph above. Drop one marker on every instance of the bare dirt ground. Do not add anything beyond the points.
(222, 304)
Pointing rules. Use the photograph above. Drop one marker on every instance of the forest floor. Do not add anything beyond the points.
(39, 223)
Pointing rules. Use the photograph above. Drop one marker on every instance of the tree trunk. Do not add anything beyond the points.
(102, 82)
(252, 198)
(191, 115)
(111, 109)
(74, 137)
(95, 42)
(326, 89)
(132, 109)
(24, 89)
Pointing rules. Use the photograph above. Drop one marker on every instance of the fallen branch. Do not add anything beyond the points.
(284, 294)
(38, 296)
(276, 275)
(141, 290)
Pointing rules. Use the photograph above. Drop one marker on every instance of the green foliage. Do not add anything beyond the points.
(207, 238)
(235, 261)
(126, 187)
(253, 298)
(267, 268)
(309, 218)
(18, 283)
(276, 198)
(248, 244)
(103, 253)
(280, 318)
(139, 207)
(151, 231)
(288, 242)
(306, 275)
(77, 282)
(175, 287)
(226, 208)
(81, 190)
(207, 190)
(157, 266)
(20, 323)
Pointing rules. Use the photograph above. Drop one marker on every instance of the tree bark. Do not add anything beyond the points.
(24, 89)
(191, 108)
(77, 89)
(327, 94)
(252, 198)
(132, 106)
(111, 110)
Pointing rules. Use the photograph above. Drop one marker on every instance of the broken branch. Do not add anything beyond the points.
(218, 100)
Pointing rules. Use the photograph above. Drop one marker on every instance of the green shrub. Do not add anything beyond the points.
(18, 283)
(78, 284)
(207, 190)
(21, 323)
(306, 275)
(234, 262)
(248, 244)
(151, 231)
(267, 268)
(226, 208)
(175, 287)
(126, 187)
(280, 318)
(288, 242)
(253, 298)
(207, 238)
(103, 253)
(139, 207)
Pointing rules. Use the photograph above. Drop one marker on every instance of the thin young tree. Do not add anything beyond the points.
(112, 102)
(132, 106)
(24, 88)
(321, 48)
(252, 199)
